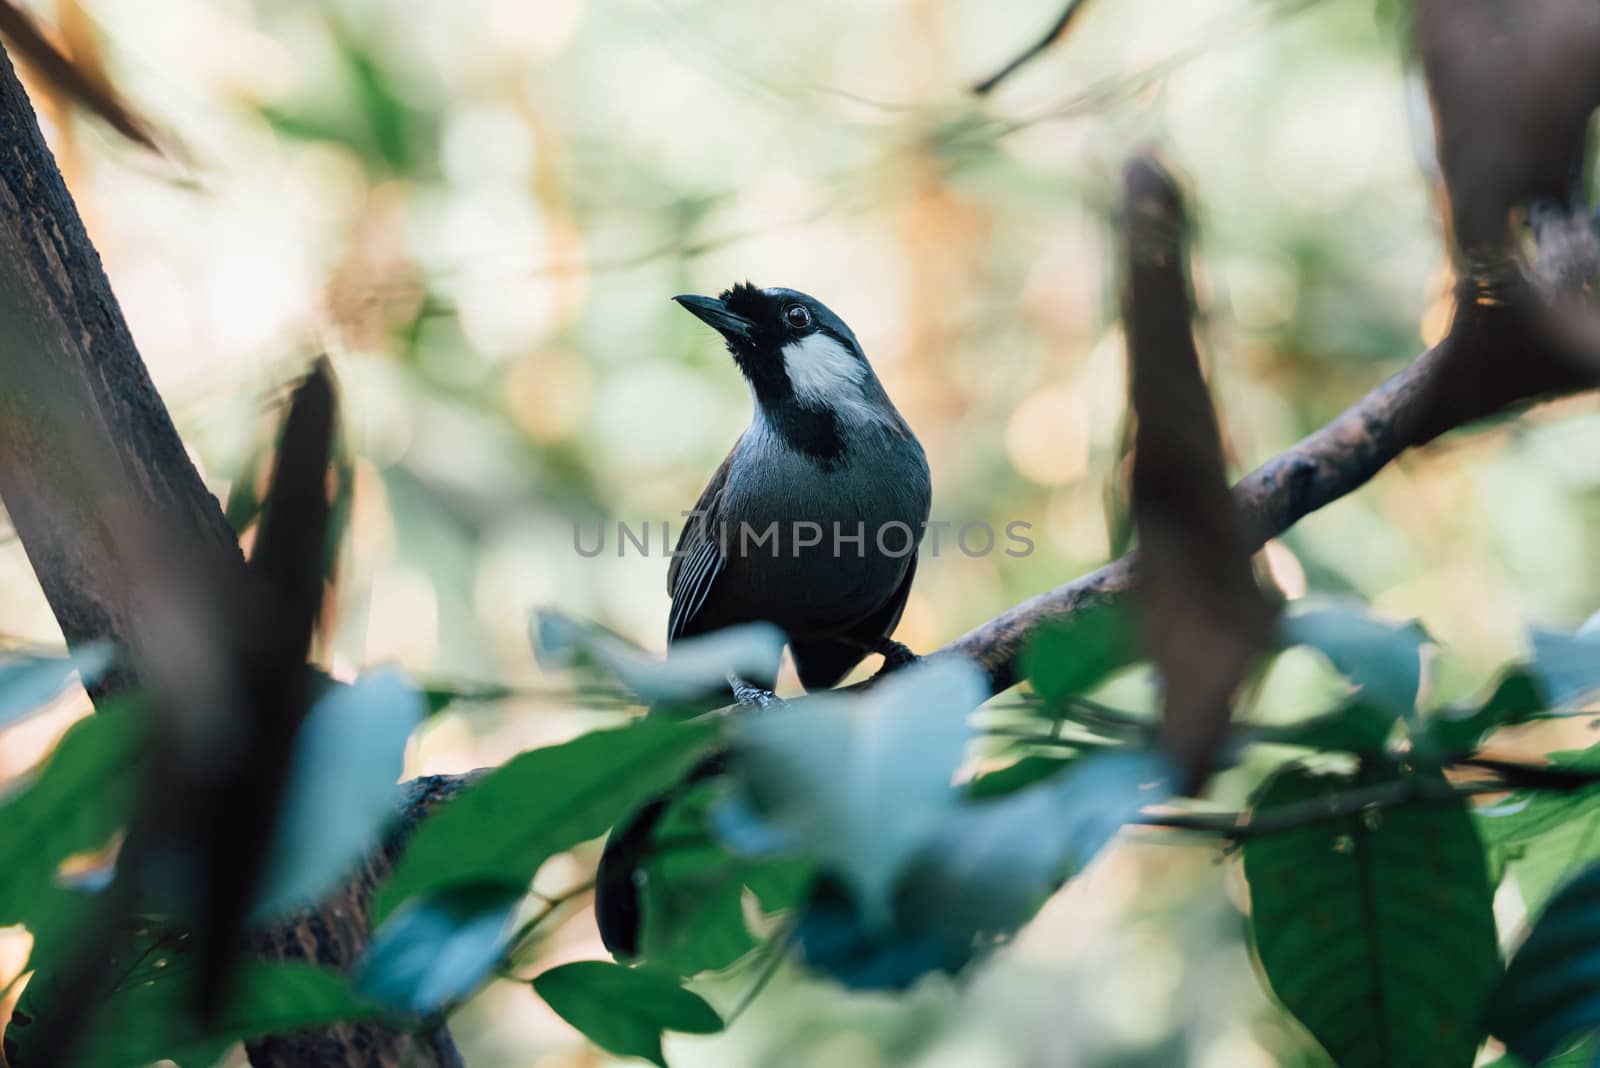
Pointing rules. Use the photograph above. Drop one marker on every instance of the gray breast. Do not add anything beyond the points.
(865, 516)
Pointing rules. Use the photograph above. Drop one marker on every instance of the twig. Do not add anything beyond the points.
(548, 909)
(776, 947)
(1238, 826)
(1057, 30)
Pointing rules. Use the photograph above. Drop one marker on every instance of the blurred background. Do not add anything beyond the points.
(480, 210)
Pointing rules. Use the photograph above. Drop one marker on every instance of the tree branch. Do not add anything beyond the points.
(1495, 359)
(1057, 30)
(105, 500)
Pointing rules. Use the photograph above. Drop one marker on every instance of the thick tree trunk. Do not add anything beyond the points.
(91, 467)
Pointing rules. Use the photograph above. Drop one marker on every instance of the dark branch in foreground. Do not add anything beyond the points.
(128, 544)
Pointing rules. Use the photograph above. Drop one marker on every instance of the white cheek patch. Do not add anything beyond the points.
(824, 372)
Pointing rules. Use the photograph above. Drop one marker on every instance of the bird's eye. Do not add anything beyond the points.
(797, 316)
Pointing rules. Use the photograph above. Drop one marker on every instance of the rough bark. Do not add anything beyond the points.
(91, 470)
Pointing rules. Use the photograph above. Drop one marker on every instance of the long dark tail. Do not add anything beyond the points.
(619, 880)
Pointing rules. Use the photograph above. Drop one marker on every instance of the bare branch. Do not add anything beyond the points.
(1057, 30)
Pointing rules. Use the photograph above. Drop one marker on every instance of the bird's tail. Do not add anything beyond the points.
(619, 880)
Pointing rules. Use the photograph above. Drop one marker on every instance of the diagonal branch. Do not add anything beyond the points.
(1488, 364)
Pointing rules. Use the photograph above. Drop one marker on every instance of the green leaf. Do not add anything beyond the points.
(624, 1010)
(1548, 994)
(1382, 660)
(503, 827)
(75, 804)
(149, 1016)
(1516, 698)
(28, 683)
(1547, 836)
(1374, 930)
(435, 951)
(859, 781)
(1017, 776)
(1075, 656)
(694, 890)
(1542, 865)
(342, 793)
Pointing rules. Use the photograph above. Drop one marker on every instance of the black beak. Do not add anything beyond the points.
(716, 314)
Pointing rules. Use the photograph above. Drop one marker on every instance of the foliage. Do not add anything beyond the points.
(622, 1009)
(851, 822)
(1374, 928)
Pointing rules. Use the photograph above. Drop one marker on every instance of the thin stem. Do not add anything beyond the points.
(777, 946)
(1238, 826)
(550, 905)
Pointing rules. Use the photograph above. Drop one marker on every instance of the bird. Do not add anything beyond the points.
(812, 523)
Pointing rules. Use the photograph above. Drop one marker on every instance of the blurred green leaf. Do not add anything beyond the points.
(1581, 1055)
(983, 872)
(1548, 994)
(694, 890)
(148, 1016)
(1516, 698)
(1542, 865)
(75, 804)
(435, 951)
(992, 864)
(1375, 930)
(914, 876)
(441, 695)
(1017, 776)
(1382, 660)
(28, 683)
(367, 112)
(503, 827)
(1547, 836)
(1074, 657)
(691, 668)
(342, 790)
(858, 782)
(1562, 671)
(624, 1010)
(1566, 667)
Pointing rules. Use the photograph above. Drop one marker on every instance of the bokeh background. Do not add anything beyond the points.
(480, 210)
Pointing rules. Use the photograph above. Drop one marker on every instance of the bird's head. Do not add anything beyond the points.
(791, 348)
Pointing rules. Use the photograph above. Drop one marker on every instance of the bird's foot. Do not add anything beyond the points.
(895, 656)
(747, 693)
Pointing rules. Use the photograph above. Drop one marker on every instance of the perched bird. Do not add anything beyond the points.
(812, 524)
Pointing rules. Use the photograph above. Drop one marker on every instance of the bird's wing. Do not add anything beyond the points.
(698, 559)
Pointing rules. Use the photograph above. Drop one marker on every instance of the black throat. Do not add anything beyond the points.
(812, 432)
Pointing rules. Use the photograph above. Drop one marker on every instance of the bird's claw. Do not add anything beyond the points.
(747, 693)
(895, 657)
